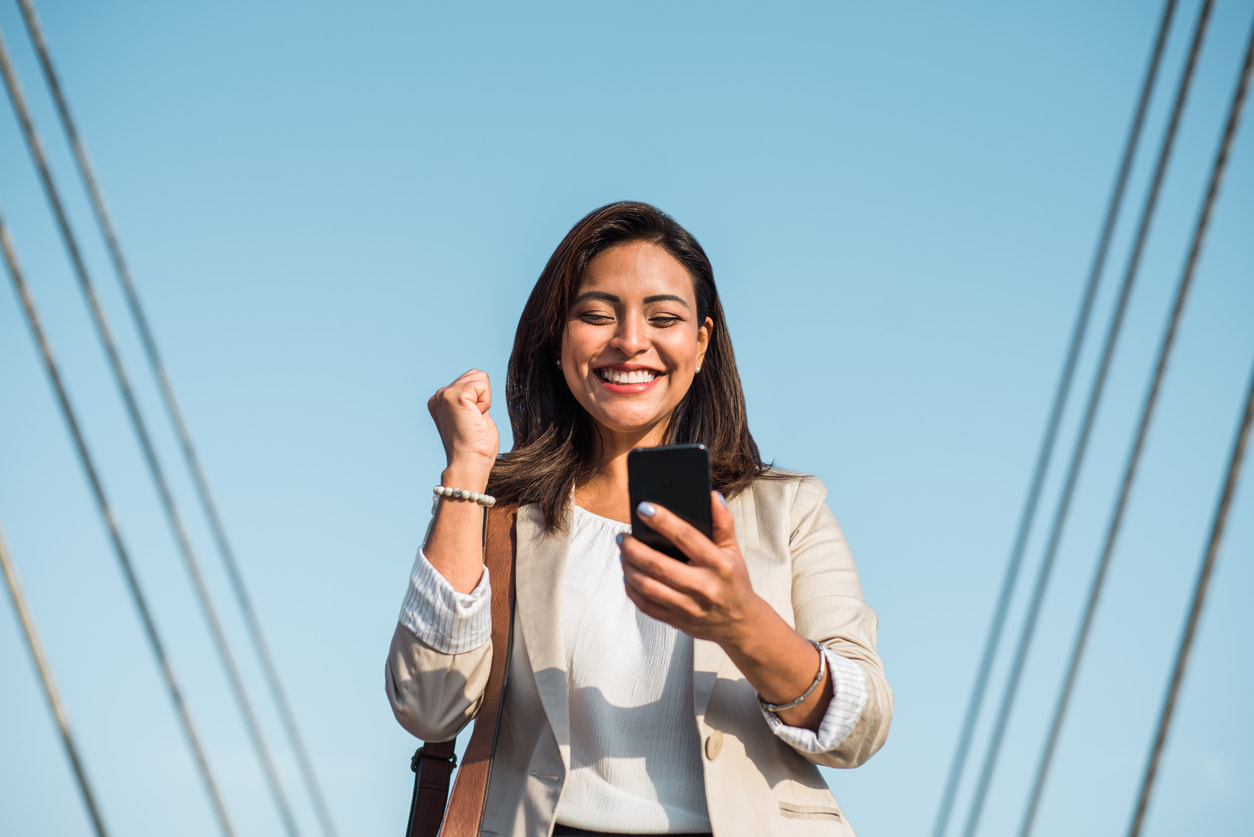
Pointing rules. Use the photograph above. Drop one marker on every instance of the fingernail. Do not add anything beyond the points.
(721, 498)
(618, 539)
(646, 509)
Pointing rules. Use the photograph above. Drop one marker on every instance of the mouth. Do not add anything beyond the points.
(626, 376)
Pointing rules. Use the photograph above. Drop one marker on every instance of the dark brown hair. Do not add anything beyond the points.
(554, 437)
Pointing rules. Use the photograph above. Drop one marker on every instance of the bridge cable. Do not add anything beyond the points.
(1044, 456)
(1195, 608)
(106, 512)
(1221, 511)
(1090, 414)
(146, 445)
(1112, 532)
(157, 366)
(50, 687)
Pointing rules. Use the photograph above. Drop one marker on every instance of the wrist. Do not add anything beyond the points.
(753, 633)
(466, 476)
(776, 708)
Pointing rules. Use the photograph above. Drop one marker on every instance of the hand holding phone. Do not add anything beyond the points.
(676, 477)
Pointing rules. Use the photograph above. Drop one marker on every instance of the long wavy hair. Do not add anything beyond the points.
(554, 437)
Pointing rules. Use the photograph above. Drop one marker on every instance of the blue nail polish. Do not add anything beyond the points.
(721, 498)
(646, 509)
(618, 539)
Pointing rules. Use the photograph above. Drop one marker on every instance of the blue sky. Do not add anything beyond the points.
(333, 209)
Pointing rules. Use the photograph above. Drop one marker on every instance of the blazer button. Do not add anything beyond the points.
(713, 745)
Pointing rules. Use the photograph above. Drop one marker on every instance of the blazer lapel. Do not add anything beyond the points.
(539, 568)
(709, 661)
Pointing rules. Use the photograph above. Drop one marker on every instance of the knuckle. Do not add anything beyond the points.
(684, 536)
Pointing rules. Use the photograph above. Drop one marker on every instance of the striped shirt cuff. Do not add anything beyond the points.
(848, 701)
(448, 621)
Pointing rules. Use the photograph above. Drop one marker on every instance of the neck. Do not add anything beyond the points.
(606, 492)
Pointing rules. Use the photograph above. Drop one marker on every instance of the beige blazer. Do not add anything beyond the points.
(755, 783)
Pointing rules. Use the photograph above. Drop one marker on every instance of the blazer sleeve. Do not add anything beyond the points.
(434, 690)
(828, 607)
(433, 694)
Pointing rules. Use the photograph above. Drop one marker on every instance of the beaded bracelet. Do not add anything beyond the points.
(484, 500)
(818, 678)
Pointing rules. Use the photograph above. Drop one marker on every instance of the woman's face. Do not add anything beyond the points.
(632, 342)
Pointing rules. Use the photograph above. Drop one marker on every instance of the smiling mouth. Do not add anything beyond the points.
(620, 376)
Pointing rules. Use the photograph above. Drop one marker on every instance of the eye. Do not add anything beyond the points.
(665, 320)
(595, 318)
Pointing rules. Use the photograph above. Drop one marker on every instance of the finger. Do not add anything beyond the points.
(724, 522)
(691, 542)
(477, 395)
(654, 597)
(642, 558)
(656, 611)
(475, 382)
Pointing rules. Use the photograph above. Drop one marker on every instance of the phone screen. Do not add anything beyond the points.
(674, 476)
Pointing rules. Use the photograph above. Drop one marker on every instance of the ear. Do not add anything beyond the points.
(704, 332)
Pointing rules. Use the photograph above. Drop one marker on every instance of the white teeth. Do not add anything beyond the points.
(636, 376)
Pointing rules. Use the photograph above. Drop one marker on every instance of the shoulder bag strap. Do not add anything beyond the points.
(434, 761)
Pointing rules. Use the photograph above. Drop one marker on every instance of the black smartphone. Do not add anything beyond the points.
(674, 476)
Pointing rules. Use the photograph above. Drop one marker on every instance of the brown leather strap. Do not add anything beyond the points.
(465, 810)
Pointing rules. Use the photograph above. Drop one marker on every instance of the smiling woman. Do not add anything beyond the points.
(633, 343)
(647, 695)
(555, 436)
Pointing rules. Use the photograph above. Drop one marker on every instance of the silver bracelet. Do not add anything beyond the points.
(818, 678)
(484, 500)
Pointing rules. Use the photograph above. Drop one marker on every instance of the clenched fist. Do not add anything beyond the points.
(471, 440)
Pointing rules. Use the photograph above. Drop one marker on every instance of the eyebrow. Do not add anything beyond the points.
(611, 298)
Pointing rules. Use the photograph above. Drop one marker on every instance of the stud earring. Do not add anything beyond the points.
(698, 369)
(559, 363)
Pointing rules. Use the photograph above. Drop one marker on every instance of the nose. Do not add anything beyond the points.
(631, 337)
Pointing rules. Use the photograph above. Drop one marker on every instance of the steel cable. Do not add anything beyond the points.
(1028, 515)
(50, 687)
(1147, 409)
(199, 479)
(1195, 609)
(1086, 427)
(106, 512)
(1230, 479)
(146, 445)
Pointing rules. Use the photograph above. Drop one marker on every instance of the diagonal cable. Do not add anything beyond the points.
(106, 511)
(1147, 409)
(50, 687)
(146, 445)
(1195, 609)
(1090, 415)
(180, 425)
(1028, 515)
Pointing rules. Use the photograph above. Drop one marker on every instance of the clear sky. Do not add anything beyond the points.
(331, 209)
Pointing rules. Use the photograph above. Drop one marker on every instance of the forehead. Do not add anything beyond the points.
(637, 269)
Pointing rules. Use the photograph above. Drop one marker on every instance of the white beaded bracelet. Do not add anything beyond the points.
(818, 678)
(484, 500)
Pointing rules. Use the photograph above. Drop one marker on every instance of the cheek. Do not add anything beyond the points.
(570, 357)
(684, 349)
(578, 345)
(570, 346)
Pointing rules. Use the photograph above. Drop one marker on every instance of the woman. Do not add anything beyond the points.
(646, 695)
